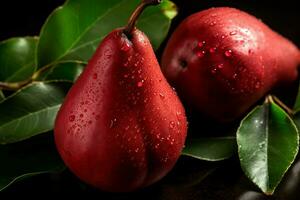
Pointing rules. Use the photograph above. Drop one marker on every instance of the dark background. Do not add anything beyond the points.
(21, 18)
(25, 18)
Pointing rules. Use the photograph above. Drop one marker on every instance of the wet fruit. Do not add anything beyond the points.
(223, 60)
(121, 126)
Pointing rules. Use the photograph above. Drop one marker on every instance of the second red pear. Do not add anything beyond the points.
(223, 60)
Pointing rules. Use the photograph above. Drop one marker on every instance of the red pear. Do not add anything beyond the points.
(223, 60)
(121, 126)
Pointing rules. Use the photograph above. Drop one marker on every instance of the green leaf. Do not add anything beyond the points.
(268, 144)
(73, 31)
(31, 110)
(156, 21)
(296, 119)
(169, 9)
(2, 97)
(188, 173)
(28, 158)
(297, 102)
(17, 58)
(68, 71)
(210, 149)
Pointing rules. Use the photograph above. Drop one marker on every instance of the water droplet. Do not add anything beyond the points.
(234, 75)
(112, 123)
(125, 75)
(129, 58)
(172, 141)
(72, 118)
(261, 145)
(95, 76)
(232, 33)
(223, 36)
(145, 100)
(126, 64)
(201, 44)
(158, 136)
(136, 150)
(156, 146)
(200, 54)
(140, 83)
(228, 53)
(213, 70)
(172, 124)
(162, 96)
(212, 49)
(257, 85)
(126, 46)
(178, 113)
(220, 66)
(213, 23)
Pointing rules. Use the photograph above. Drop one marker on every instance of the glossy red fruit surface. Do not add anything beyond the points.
(121, 126)
(223, 60)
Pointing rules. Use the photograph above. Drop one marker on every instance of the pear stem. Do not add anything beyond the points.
(136, 13)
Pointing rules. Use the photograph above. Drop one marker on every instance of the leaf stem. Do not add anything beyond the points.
(269, 99)
(18, 85)
(14, 85)
(272, 99)
(136, 13)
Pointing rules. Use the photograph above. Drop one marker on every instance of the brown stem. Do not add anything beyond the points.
(136, 13)
(274, 99)
(269, 99)
(14, 85)
(18, 85)
(282, 105)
